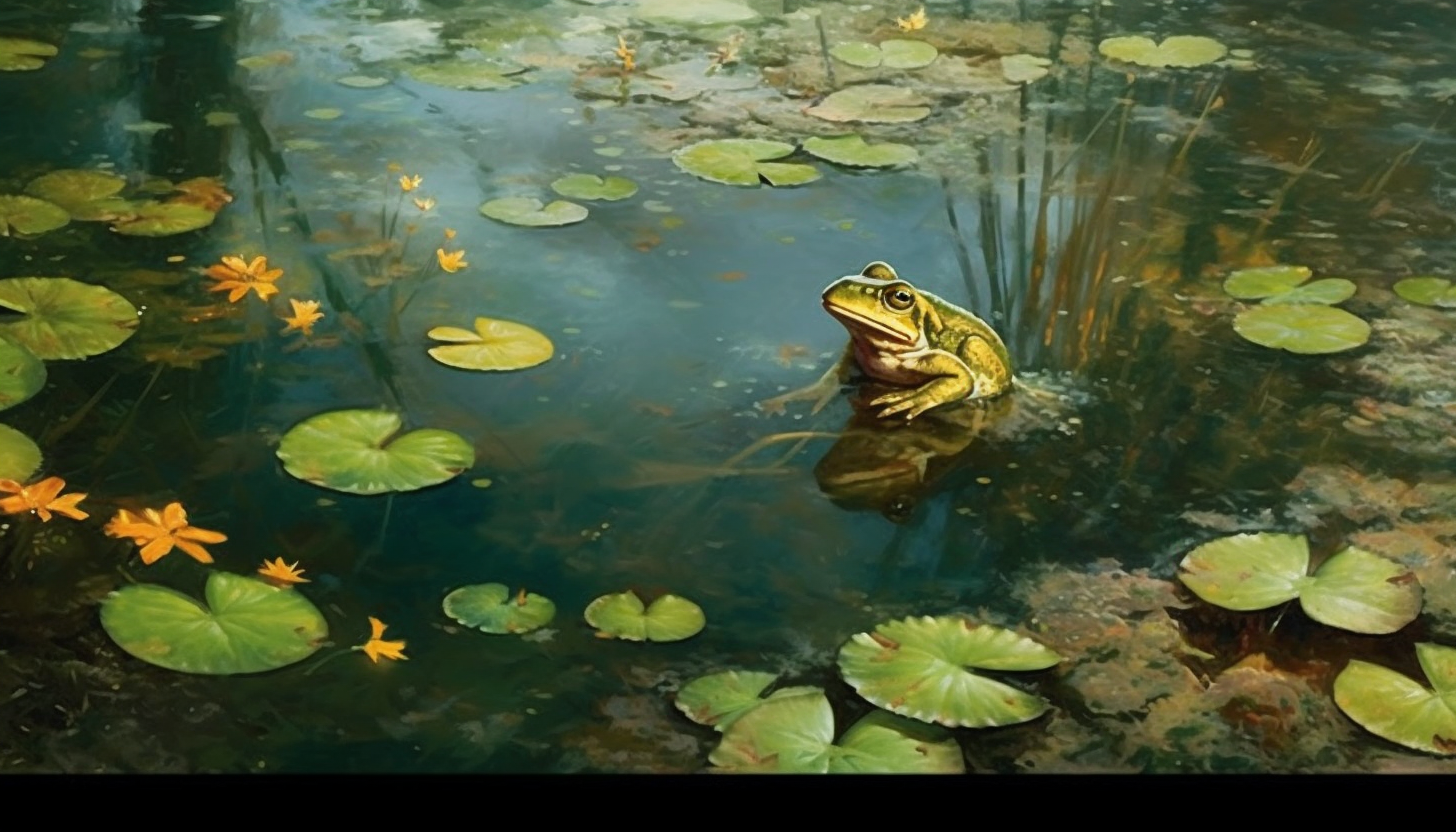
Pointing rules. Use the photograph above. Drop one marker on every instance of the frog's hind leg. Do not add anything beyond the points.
(820, 392)
(996, 378)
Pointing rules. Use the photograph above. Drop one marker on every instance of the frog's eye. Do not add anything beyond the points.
(898, 298)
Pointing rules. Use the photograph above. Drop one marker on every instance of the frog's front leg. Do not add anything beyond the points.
(952, 383)
(821, 391)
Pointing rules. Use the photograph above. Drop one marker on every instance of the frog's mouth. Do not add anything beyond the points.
(859, 321)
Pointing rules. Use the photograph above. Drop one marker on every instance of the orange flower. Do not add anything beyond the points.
(235, 275)
(41, 498)
(376, 647)
(452, 262)
(281, 573)
(409, 183)
(913, 22)
(449, 233)
(627, 54)
(157, 532)
(424, 204)
(305, 315)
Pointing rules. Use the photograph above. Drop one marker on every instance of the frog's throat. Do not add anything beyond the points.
(850, 316)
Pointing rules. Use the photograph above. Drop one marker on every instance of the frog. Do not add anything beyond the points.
(934, 351)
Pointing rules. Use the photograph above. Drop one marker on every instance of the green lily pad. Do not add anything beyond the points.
(669, 618)
(1176, 51)
(351, 451)
(19, 54)
(19, 456)
(702, 12)
(689, 79)
(493, 609)
(72, 188)
(1023, 69)
(742, 162)
(1428, 291)
(163, 219)
(590, 186)
(795, 735)
(872, 103)
(907, 54)
(21, 374)
(918, 667)
(1306, 330)
(719, 699)
(1325, 292)
(65, 318)
(853, 151)
(324, 113)
(1354, 590)
(857, 53)
(1400, 709)
(520, 210)
(1264, 281)
(362, 82)
(28, 215)
(493, 345)
(248, 626)
(468, 75)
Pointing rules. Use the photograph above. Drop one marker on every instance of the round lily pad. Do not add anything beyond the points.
(363, 82)
(907, 54)
(702, 12)
(28, 215)
(1428, 291)
(324, 113)
(720, 698)
(19, 457)
(20, 54)
(21, 374)
(1400, 709)
(919, 667)
(520, 210)
(853, 151)
(248, 626)
(1023, 69)
(1264, 281)
(65, 318)
(493, 608)
(1354, 590)
(857, 53)
(669, 618)
(352, 451)
(163, 219)
(874, 103)
(74, 188)
(1306, 330)
(468, 75)
(590, 186)
(493, 345)
(795, 735)
(1176, 51)
(1327, 291)
(742, 162)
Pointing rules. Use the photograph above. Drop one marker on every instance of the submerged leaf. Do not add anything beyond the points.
(494, 345)
(622, 615)
(520, 210)
(358, 452)
(65, 318)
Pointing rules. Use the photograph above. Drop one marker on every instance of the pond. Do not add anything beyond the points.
(442, 317)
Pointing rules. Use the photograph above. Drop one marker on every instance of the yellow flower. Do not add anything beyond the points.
(409, 183)
(424, 204)
(452, 262)
(41, 498)
(449, 233)
(237, 276)
(158, 532)
(627, 54)
(913, 22)
(376, 647)
(281, 573)
(305, 315)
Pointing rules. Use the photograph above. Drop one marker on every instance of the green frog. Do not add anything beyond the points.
(907, 337)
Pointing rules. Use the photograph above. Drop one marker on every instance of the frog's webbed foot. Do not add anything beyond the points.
(916, 401)
(820, 392)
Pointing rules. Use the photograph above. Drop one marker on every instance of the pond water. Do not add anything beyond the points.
(1090, 206)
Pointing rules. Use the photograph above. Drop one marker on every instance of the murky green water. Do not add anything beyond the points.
(1090, 215)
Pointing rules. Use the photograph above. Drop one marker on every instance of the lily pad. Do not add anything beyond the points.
(76, 190)
(324, 113)
(857, 53)
(1428, 291)
(703, 12)
(622, 615)
(352, 451)
(1400, 709)
(28, 215)
(468, 75)
(1023, 69)
(720, 698)
(21, 374)
(65, 318)
(362, 82)
(743, 162)
(1325, 292)
(19, 54)
(795, 735)
(248, 626)
(493, 345)
(1264, 281)
(493, 608)
(1176, 51)
(1354, 590)
(19, 456)
(919, 667)
(163, 219)
(688, 79)
(907, 54)
(853, 151)
(520, 210)
(872, 103)
(590, 186)
(1302, 329)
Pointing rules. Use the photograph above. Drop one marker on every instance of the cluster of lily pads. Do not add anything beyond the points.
(54, 199)
(1294, 315)
(491, 608)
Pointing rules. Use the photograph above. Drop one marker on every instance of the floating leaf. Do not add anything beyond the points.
(907, 54)
(876, 103)
(163, 219)
(493, 345)
(19, 54)
(324, 113)
(590, 186)
(21, 375)
(266, 60)
(19, 456)
(220, 118)
(669, 618)
(248, 626)
(1023, 69)
(695, 11)
(1176, 51)
(1264, 281)
(1354, 590)
(918, 667)
(28, 215)
(468, 75)
(742, 162)
(362, 82)
(76, 190)
(720, 698)
(1428, 291)
(688, 79)
(352, 451)
(857, 53)
(1306, 330)
(520, 210)
(1325, 292)
(1400, 709)
(853, 151)
(65, 318)
(493, 608)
